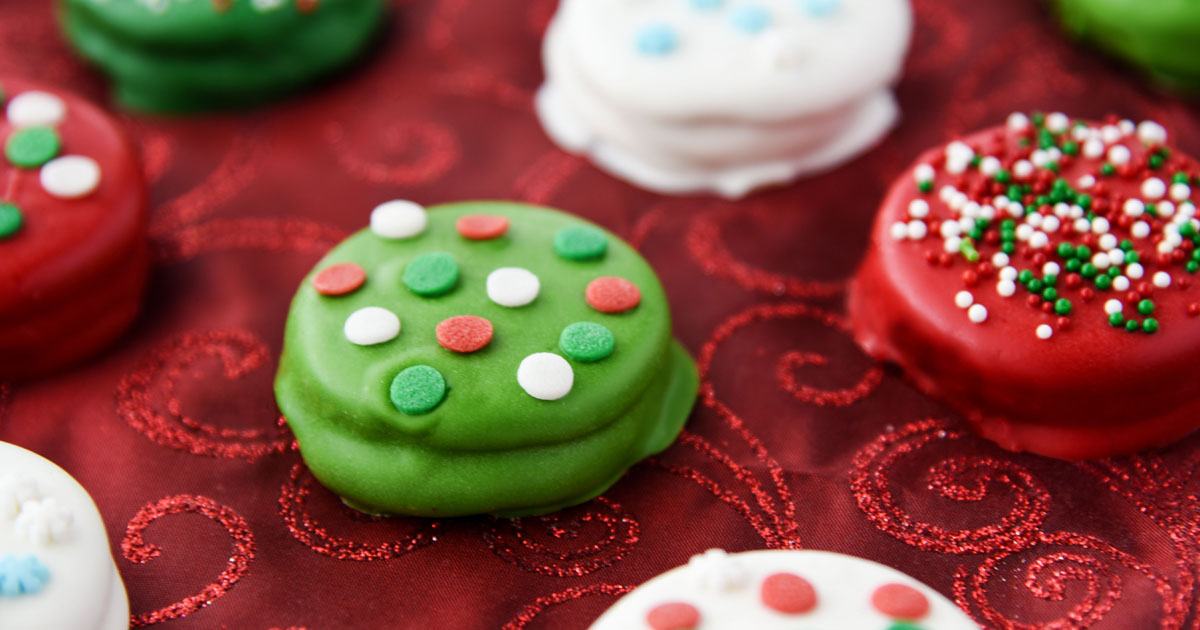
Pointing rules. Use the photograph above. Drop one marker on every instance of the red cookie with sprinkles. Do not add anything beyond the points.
(1038, 277)
(73, 245)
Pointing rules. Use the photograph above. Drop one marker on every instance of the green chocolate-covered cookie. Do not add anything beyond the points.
(1162, 37)
(470, 398)
(194, 55)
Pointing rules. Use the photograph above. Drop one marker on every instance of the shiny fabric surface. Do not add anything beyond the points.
(799, 440)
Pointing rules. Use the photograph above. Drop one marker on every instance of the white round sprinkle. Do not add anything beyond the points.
(959, 200)
(1141, 229)
(1036, 219)
(1082, 225)
(923, 173)
(1023, 169)
(1006, 288)
(1166, 209)
(1110, 134)
(1075, 212)
(1051, 269)
(1116, 257)
(1087, 181)
(1154, 188)
(1100, 225)
(1051, 224)
(1016, 210)
(1151, 132)
(371, 325)
(977, 314)
(1127, 127)
(899, 230)
(952, 244)
(1187, 209)
(1081, 133)
(1093, 149)
(1108, 242)
(1134, 270)
(963, 299)
(1024, 231)
(1113, 306)
(70, 176)
(949, 228)
(1041, 158)
(1181, 192)
(1062, 210)
(1000, 260)
(1018, 121)
(1044, 331)
(1100, 259)
(947, 193)
(966, 224)
(972, 210)
(917, 229)
(1165, 247)
(1001, 201)
(398, 219)
(1057, 122)
(918, 209)
(1134, 207)
(545, 376)
(987, 212)
(989, 166)
(512, 286)
(41, 109)
(1009, 273)
(1039, 240)
(1162, 279)
(1120, 283)
(1119, 155)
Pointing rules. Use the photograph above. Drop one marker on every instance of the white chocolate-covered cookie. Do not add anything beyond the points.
(56, 567)
(783, 590)
(724, 96)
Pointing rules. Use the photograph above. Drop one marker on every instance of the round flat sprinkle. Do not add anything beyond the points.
(587, 342)
(513, 286)
(612, 295)
(71, 176)
(545, 376)
(581, 243)
(10, 219)
(673, 616)
(339, 279)
(464, 334)
(399, 219)
(788, 593)
(31, 109)
(431, 274)
(900, 601)
(482, 227)
(32, 147)
(417, 390)
(371, 325)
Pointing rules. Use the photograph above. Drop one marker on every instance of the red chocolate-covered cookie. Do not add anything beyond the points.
(73, 247)
(1039, 278)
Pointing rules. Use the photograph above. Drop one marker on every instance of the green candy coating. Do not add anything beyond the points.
(580, 243)
(587, 342)
(10, 219)
(489, 447)
(197, 55)
(432, 274)
(1162, 37)
(417, 390)
(32, 147)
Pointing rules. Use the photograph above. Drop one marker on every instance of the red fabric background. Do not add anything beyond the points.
(799, 441)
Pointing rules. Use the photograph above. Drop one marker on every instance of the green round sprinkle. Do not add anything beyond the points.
(1088, 270)
(1196, 254)
(1116, 319)
(1042, 200)
(975, 233)
(1008, 225)
(1074, 264)
(1035, 286)
(1187, 229)
(1083, 252)
(1038, 118)
(417, 390)
(1084, 201)
(1015, 193)
(1127, 246)
(1156, 161)
(1051, 280)
(1192, 266)
(1008, 247)
(1062, 306)
(431, 274)
(10, 219)
(1003, 176)
(1071, 147)
(925, 186)
(1050, 294)
(32, 147)
(1025, 276)
(1104, 282)
(1065, 250)
(580, 243)
(1180, 178)
(1150, 325)
(1131, 325)
(1112, 272)
(1108, 169)
(1145, 307)
(587, 342)
(976, 161)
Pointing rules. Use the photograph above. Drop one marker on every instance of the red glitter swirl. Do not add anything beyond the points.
(427, 150)
(785, 374)
(237, 170)
(546, 176)
(137, 550)
(266, 234)
(293, 499)
(535, 608)
(147, 399)
(599, 534)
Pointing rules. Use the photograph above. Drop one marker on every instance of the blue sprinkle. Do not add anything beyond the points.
(657, 40)
(22, 575)
(751, 18)
(706, 5)
(820, 8)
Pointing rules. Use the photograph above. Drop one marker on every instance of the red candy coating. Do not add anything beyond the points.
(464, 334)
(900, 602)
(71, 279)
(673, 616)
(612, 295)
(788, 593)
(1092, 390)
(339, 279)
(482, 227)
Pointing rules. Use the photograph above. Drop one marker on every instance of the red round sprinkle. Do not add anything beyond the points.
(788, 593)
(612, 295)
(970, 278)
(1064, 323)
(1033, 300)
(673, 616)
(339, 279)
(1073, 280)
(1194, 309)
(1048, 307)
(482, 227)
(900, 601)
(464, 334)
